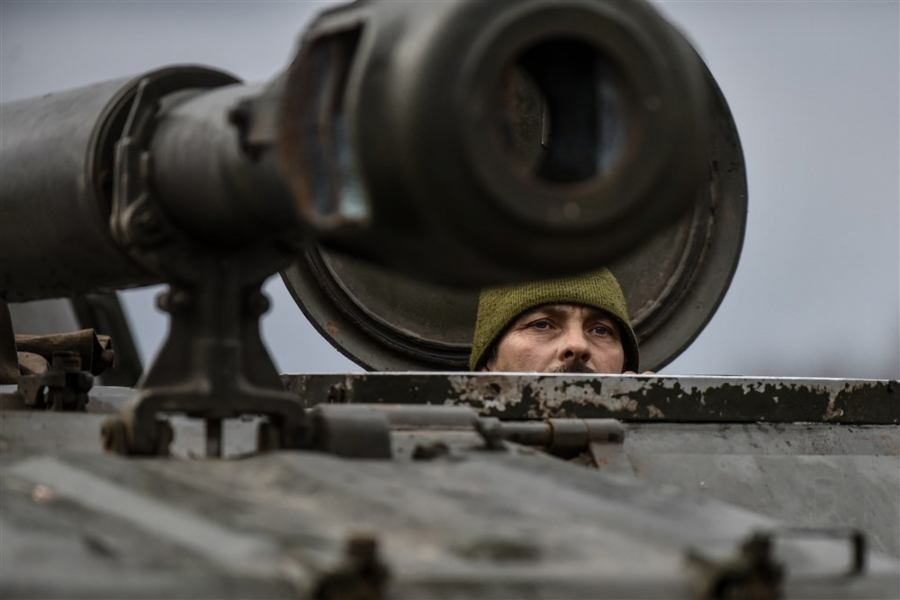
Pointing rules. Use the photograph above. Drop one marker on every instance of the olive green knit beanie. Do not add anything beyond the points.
(498, 307)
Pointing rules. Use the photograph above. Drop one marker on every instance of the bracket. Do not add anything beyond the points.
(64, 387)
(213, 364)
(754, 573)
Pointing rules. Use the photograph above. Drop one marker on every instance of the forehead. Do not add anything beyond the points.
(567, 310)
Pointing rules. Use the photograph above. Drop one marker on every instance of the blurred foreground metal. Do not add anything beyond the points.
(560, 138)
(652, 509)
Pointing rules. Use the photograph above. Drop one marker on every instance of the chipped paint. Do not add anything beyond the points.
(332, 329)
(493, 392)
(629, 398)
(655, 413)
(831, 413)
(562, 396)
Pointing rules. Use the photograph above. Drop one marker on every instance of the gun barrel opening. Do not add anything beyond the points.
(560, 113)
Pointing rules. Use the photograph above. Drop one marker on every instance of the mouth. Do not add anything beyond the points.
(574, 366)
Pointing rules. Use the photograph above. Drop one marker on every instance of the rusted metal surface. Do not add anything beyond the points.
(64, 387)
(627, 398)
(54, 371)
(94, 351)
(104, 313)
(790, 448)
(379, 319)
(32, 364)
(96, 319)
(101, 312)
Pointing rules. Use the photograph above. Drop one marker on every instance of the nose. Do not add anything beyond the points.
(575, 345)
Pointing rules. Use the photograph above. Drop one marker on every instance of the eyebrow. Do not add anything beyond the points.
(549, 310)
(553, 310)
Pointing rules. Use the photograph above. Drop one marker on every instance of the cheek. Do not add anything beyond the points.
(518, 353)
(610, 358)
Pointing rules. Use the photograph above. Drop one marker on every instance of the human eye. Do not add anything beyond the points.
(601, 330)
(540, 325)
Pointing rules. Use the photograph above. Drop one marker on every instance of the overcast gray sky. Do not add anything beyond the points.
(815, 90)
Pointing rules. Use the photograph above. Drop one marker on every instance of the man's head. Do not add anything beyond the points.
(577, 324)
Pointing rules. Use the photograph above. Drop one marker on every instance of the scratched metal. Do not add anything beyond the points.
(628, 398)
(478, 525)
(810, 474)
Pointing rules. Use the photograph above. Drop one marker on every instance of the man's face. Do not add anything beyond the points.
(560, 338)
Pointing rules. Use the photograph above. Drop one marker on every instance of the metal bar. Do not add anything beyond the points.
(54, 220)
(530, 433)
(627, 398)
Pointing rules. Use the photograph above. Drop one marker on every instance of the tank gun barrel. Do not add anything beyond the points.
(464, 142)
